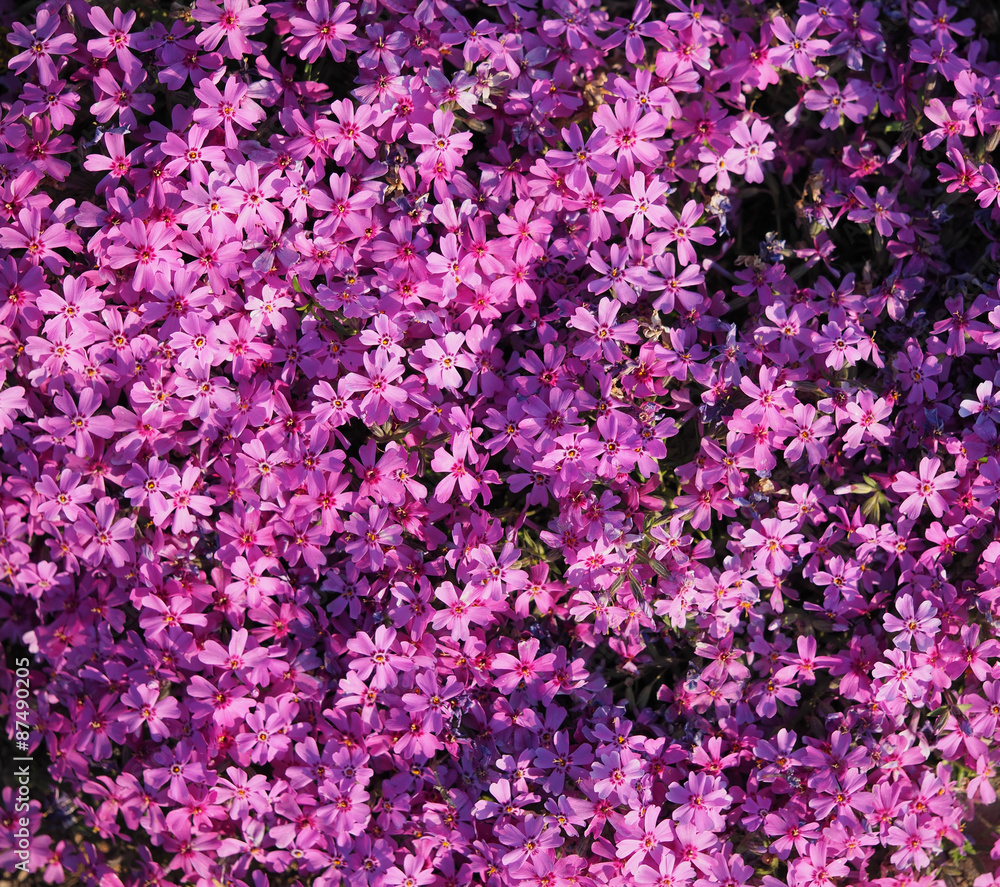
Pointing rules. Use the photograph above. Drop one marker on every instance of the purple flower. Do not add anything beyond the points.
(146, 707)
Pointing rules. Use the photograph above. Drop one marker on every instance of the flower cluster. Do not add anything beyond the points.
(526, 443)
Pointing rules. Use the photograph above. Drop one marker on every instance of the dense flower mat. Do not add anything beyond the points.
(525, 443)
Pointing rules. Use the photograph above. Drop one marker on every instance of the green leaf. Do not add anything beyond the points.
(872, 507)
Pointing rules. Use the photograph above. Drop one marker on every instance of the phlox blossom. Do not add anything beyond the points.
(927, 487)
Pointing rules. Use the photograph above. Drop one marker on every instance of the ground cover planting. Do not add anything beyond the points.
(525, 444)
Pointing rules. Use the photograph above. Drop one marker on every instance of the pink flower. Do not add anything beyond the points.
(771, 542)
(146, 707)
(231, 22)
(615, 774)
(250, 198)
(40, 47)
(701, 801)
(440, 143)
(243, 793)
(382, 399)
(264, 740)
(526, 668)
(79, 422)
(348, 133)
(927, 487)
(834, 101)
(443, 358)
(641, 204)
(63, 500)
(684, 232)
(916, 843)
(145, 247)
(231, 108)
(108, 537)
(645, 837)
(916, 626)
(149, 486)
(242, 657)
(39, 237)
(116, 37)
(630, 134)
(605, 333)
(754, 149)
(810, 430)
(377, 656)
(120, 98)
(867, 412)
(325, 31)
(460, 612)
(224, 702)
(798, 48)
(880, 210)
(901, 677)
(950, 124)
(532, 838)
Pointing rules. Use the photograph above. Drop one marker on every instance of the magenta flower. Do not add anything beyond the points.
(531, 839)
(880, 210)
(440, 144)
(242, 793)
(376, 655)
(914, 626)
(917, 372)
(701, 801)
(231, 108)
(319, 30)
(78, 421)
(684, 232)
(460, 612)
(242, 656)
(604, 332)
(120, 98)
(754, 148)
(371, 538)
(615, 774)
(442, 359)
(150, 485)
(840, 345)
(116, 38)
(631, 135)
(641, 205)
(811, 430)
(349, 131)
(12, 401)
(916, 843)
(927, 487)
(798, 48)
(145, 247)
(39, 238)
(382, 399)
(900, 677)
(264, 740)
(63, 499)
(834, 102)
(250, 198)
(771, 541)
(146, 707)
(40, 46)
(867, 413)
(646, 836)
(526, 668)
(231, 22)
(224, 702)
(107, 537)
